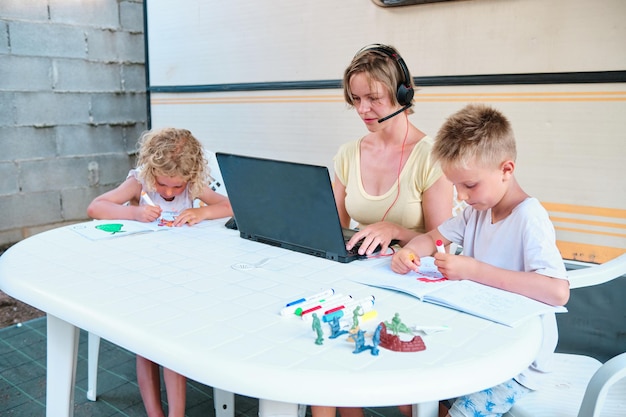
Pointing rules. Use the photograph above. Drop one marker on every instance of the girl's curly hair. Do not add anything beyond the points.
(172, 152)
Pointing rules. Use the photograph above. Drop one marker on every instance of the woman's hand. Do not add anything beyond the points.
(381, 233)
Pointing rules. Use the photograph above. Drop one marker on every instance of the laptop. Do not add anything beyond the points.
(285, 204)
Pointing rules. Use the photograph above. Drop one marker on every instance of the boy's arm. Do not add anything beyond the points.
(111, 205)
(553, 291)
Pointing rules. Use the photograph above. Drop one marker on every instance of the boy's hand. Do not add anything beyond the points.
(147, 214)
(404, 261)
(454, 267)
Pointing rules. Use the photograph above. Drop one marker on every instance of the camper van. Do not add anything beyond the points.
(264, 79)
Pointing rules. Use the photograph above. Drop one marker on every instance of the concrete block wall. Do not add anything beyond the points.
(72, 105)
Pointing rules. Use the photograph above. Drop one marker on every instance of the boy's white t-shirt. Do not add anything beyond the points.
(523, 241)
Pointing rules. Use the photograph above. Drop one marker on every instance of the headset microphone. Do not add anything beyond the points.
(395, 113)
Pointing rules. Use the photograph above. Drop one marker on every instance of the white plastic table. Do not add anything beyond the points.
(173, 296)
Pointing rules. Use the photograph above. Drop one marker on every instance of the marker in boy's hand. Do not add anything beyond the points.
(404, 261)
(440, 247)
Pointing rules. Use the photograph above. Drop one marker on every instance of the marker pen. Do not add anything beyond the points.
(146, 198)
(309, 302)
(334, 303)
(334, 300)
(366, 304)
(440, 247)
(323, 294)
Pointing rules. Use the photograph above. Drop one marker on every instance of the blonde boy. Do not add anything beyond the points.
(507, 238)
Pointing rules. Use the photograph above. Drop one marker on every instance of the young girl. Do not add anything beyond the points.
(172, 172)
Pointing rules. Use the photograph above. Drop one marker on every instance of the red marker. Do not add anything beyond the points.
(310, 310)
(440, 247)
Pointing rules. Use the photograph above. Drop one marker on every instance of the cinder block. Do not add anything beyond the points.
(134, 77)
(8, 179)
(113, 169)
(74, 202)
(20, 73)
(132, 134)
(131, 16)
(74, 75)
(87, 140)
(118, 108)
(9, 237)
(27, 142)
(7, 108)
(4, 37)
(54, 174)
(24, 10)
(40, 39)
(102, 45)
(108, 46)
(30, 209)
(101, 13)
(50, 109)
(131, 47)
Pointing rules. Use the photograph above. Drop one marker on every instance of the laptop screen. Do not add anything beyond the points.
(285, 204)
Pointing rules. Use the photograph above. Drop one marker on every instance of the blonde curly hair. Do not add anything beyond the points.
(172, 152)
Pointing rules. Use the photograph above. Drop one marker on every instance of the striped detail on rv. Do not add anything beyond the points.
(602, 229)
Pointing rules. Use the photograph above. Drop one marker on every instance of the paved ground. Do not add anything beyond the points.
(23, 381)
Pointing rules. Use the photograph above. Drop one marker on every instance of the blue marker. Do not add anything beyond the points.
(291, 307)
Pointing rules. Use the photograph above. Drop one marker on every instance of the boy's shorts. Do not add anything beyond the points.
(492, 402)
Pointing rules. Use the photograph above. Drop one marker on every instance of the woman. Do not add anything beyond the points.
(385, 181)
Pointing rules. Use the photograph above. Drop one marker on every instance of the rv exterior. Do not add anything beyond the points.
(264, 79)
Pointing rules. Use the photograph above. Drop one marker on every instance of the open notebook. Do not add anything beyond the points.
(285, 204)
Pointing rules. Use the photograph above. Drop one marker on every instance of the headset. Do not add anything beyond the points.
(404, 90)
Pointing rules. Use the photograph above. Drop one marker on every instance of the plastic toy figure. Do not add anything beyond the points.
(376, 340)
(317, 326)
(396, 326)
(335, 328)
(355, 317)
(359, 342)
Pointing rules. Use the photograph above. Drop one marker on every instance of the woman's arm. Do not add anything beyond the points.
(339, 190)
(437, 203)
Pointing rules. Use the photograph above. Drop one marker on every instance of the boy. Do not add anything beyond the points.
(508, 240)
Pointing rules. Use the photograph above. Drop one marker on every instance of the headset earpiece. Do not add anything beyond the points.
(404, 90)
(404, 94)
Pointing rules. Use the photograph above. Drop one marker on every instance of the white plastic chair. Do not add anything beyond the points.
(580, 385)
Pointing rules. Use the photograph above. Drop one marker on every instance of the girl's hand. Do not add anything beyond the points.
(189, 216)
(147, 214)
(404, 261)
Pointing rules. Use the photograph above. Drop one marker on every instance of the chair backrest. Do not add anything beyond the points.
(598, 274)
(595, 398)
